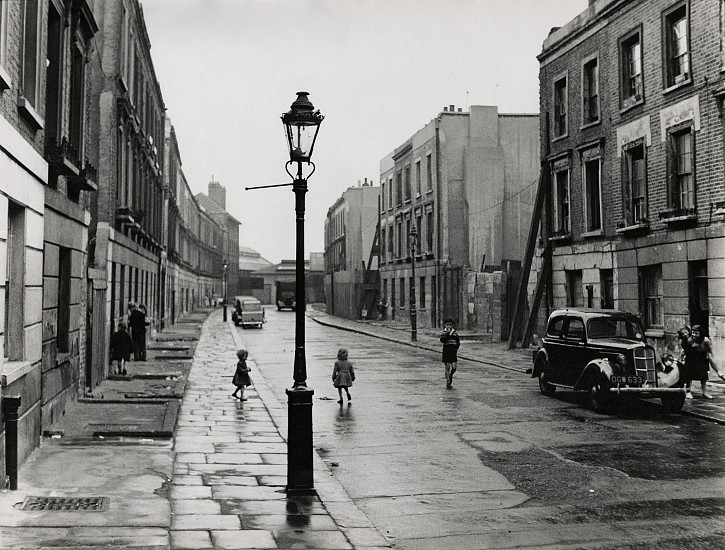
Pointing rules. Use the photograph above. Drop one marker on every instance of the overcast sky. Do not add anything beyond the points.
(379, 70)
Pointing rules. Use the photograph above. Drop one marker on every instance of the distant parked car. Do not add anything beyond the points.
(248, 312)
(603, 352)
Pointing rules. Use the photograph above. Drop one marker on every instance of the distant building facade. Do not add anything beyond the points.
(633, 95)
(195, 273)
(350, 231)
(466, 181)
(69, 329)
(127, 224)
(95, 211)
(215, 204)
(250, 284)
(286, 271)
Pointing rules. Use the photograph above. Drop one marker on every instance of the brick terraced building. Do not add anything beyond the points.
(631, 129)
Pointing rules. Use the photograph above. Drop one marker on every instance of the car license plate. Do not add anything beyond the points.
(638, 380)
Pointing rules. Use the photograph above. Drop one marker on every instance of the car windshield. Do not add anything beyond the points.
(252, 306)
(615, 327)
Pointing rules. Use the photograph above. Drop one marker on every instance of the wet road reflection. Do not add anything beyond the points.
(492, 456)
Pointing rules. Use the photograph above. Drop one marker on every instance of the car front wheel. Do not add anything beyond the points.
(601, 399)
(544, 386)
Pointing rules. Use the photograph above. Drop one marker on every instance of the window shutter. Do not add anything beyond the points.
(626, 190)
(672, 190)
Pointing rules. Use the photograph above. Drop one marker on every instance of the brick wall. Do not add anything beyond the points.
(13, 66)
(705, 66)
(599, 30)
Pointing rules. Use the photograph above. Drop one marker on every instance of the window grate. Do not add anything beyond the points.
(66, 504)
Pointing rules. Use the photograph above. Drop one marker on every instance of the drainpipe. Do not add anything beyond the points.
(438, 221)
(10, 407)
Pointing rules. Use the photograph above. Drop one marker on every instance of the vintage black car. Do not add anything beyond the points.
(603, 352)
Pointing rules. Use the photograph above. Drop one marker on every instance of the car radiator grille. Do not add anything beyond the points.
(644, 364)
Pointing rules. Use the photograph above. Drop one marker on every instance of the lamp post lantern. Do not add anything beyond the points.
(413, 304)
(225, 291)
(301, 123)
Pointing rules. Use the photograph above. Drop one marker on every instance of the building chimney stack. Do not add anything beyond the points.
(217, 193)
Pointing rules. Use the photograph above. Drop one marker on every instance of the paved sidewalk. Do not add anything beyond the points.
(228, 487)
(481, 350)
(100, 477)
(219, 484)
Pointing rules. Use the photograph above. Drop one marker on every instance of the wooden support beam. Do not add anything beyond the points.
(530, 250)
(540, 285)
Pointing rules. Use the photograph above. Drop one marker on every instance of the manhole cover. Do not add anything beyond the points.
(66, 504)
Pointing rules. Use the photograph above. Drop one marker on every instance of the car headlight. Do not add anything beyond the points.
(620, 363)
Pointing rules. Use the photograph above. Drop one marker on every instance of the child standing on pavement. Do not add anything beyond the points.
(343, 374)
(699, 359)
(451, 342)
(241, 375)
(121, 348)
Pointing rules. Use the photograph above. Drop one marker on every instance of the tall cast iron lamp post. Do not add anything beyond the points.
(225, 291)
(413, 302)
(301, 123)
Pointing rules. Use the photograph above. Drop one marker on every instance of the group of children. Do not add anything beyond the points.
(343, 372)
(696, 359)
(343, 375)
(123, 345)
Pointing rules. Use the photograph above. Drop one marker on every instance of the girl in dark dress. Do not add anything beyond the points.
(343, 375)
(451, 342)
(121, 348)
(699, 358)
(241, 375)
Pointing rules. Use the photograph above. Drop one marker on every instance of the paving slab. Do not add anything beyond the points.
(204, 522)
(238, 540)
(194, 506)
(75, 537)
(228, 485)
(183, 540)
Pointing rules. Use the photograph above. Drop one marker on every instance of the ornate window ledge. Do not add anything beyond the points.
(593, 234)
(640, 226)
(64, 158)
(679, 216)
(14, 370)
(560, 237)
(26, 109)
